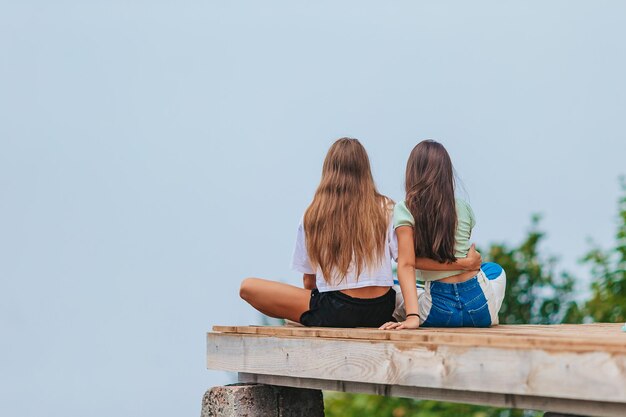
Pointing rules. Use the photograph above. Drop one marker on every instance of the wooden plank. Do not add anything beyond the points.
(592, 375)
(579, 407)
(574, 338)
(557, 330)
(609, 330)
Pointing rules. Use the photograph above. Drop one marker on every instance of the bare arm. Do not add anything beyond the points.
(470, 263)
(406, 277)
(308, 280)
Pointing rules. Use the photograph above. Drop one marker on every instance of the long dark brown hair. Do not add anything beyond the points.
(429, 188)
(347, 221)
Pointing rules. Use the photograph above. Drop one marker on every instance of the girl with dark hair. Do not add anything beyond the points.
(433, 230)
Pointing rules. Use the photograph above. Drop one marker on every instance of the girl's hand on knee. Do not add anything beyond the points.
(411, 322)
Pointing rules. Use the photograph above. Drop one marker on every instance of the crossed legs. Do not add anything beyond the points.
(275, 299)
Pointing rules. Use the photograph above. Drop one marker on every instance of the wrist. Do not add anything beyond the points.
(462, 263)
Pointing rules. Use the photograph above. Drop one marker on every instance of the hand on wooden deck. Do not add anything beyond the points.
(411, 322)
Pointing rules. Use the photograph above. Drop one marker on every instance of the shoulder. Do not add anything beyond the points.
(301, 228)
(402, 215)
(401, 208)
(464, 210)
(461, 204)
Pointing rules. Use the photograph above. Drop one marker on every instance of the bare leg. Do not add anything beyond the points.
(275, 299)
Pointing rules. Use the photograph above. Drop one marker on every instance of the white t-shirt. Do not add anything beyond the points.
(381, 275)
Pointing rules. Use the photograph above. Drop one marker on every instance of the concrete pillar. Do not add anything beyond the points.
(256, 400)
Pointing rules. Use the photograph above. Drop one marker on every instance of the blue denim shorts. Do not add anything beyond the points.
(472, 303)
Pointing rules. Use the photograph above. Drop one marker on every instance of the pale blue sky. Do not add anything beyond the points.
(152, 154)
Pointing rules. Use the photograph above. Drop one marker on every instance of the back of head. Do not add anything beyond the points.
(429, 188)
(347, 220)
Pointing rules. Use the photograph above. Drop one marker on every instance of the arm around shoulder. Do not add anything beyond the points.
(471, 263)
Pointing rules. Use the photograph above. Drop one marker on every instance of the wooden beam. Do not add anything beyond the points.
(579, 407)
(529, 371)
(606, 337)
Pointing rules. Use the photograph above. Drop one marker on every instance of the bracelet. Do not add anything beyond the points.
(413, 314)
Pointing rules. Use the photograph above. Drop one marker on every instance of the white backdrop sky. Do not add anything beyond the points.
(155, 153)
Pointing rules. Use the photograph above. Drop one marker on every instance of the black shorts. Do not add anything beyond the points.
(336, 309)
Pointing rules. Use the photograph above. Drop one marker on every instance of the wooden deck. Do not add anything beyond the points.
(578, 369)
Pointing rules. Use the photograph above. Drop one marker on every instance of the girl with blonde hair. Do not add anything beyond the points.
(344, 248)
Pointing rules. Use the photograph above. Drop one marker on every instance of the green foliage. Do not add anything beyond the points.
(359, 405)
(608, 272)
(535, 293)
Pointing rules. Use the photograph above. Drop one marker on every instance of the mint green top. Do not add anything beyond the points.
(465, 223)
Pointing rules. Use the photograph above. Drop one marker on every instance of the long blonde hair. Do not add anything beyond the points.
(346, 224)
